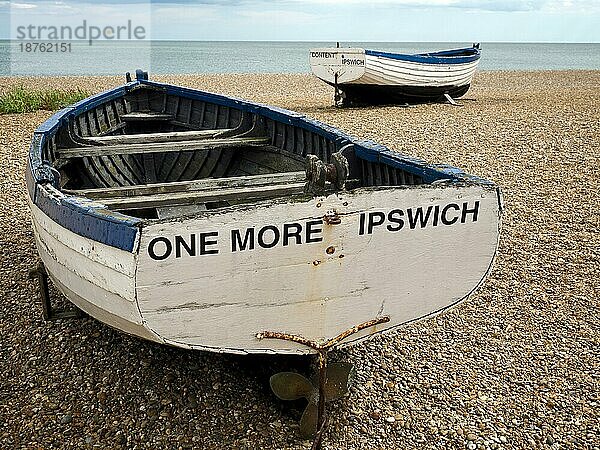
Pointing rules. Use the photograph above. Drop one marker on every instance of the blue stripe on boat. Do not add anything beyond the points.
(458, 56)
(99, 224)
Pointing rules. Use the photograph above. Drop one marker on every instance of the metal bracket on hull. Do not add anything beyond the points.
(48, 312)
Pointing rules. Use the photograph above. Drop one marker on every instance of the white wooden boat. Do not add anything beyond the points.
(181, 217)
(368, 76)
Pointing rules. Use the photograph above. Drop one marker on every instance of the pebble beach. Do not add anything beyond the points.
(516, 366)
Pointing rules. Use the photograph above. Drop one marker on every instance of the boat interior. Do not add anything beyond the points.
(153, 155)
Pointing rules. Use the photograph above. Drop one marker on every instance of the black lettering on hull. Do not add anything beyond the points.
(419, 217)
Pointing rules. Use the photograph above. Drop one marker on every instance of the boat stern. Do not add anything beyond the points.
(337, 65)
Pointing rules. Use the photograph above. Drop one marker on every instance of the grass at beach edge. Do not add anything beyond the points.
(21, 100)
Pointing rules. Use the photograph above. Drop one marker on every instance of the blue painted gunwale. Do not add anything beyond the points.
(444, 57)
(92, 220)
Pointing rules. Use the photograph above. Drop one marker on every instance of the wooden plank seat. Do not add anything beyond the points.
(197, 191)
(171, 136)
(145, 116)
(161, 147)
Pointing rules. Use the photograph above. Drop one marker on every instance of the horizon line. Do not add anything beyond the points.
(296, 41)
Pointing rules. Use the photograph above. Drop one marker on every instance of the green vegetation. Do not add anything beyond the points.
(22, 100)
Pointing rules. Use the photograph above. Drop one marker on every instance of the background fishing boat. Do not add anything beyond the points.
(199, 220)
(374, 77)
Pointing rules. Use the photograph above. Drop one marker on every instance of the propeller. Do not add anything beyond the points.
(308, 421)
(293, 386)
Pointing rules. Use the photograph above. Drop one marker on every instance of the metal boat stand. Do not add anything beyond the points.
(40, 274)
(450, 100)
(322, 348)
(338, 96)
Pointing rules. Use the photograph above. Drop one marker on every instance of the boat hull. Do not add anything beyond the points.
(406, 254)
(215, 282)
(356, 94)
(98, 279)
(229, 243)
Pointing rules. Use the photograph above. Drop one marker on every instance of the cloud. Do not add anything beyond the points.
(22, 5)
(75, 3)
(476, 5)
(279, 16)
(167, 14)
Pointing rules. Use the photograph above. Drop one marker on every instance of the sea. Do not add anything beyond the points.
(185, 57)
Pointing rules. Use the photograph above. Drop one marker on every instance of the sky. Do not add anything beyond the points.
(322, 20)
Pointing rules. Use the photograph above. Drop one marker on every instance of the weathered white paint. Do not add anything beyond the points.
(107, 267)
(347, 63)
(220, 301)
(97, 278)
(379, 70)
(385, 71)
(101, 311)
